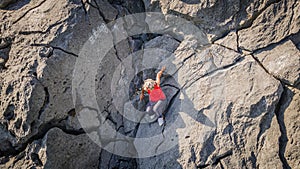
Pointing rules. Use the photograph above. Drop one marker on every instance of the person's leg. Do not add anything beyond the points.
(149, 108)
(160, 107)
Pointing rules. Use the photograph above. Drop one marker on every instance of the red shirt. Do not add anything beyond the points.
(156, 94)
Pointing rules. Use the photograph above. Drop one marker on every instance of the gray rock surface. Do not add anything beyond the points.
(230, 41)
(59, 150)
(283, 61)
(232, 84)
(276, 22)
(229, 113)
(291, 121)
(215, 17)
(288, 119)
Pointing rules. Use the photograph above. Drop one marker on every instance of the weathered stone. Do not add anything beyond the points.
(106, 10)
(163, 42)
(215, 17)
(296, 40)
(59, 150)
(7, 141)
(268, 156)
(194, 65)
(222, 104)
(229, 41)
(290, 127)
(282, 61)
(64, 150)
(46, 52)
(39, 91)
(270, 26)
(166, 160)
(231, 112)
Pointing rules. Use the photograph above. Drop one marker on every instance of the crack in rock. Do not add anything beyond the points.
(45, 31)
(56, 47)
(46, 102)
(266, 70)
(249, 22)
(24, 14)
(283, 139)
(235, 62)
(43, 130)
(217, 159)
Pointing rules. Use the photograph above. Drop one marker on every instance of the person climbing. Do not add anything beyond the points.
(157, 99)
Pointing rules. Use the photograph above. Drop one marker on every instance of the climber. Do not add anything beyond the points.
(157, 99)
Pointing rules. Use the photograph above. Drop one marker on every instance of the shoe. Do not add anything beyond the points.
(160, 121)
(152, 116)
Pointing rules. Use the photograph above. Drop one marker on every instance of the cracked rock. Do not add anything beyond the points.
(59, 150)
(215, 17)
(229, 112)
(282, 61)
(232, 83)
(229, 41)
(290, 119)
(276, 22)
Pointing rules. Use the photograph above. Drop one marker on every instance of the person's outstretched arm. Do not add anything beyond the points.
(158, 75)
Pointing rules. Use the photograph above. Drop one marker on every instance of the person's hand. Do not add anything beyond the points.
(161, 71)
(141, 97)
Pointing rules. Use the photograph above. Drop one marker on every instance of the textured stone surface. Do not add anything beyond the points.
(240, 109)
(283, 61)
(38, 94)
(290, 125)
(278, 21)
(67, 151)
(219, 17)
(232, 83)
(229, 41)
(215, 17)
(59, 150)
(28, 89)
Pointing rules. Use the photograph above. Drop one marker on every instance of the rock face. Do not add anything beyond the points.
(59, 150)
(282, 57)
(232, 83)
(276, 22)
(290, 122)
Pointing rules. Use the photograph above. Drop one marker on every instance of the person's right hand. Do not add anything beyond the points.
(161, 71)
(141, 97)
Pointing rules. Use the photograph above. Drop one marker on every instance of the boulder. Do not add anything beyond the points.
(218, 104)
(289, 120)
(58, 149)
(282, 61)
(229, 41)
(276, 22)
